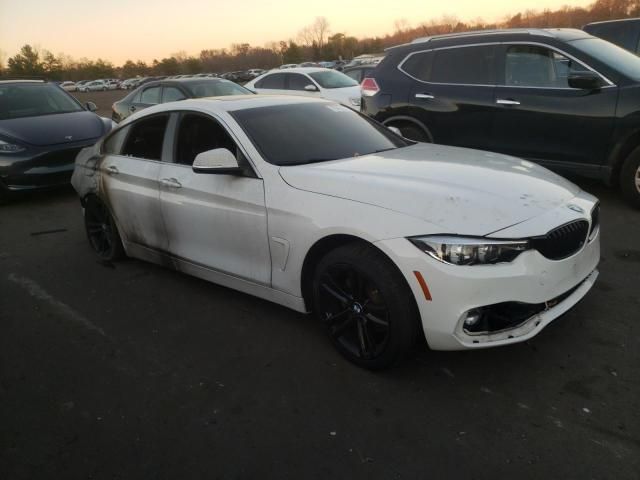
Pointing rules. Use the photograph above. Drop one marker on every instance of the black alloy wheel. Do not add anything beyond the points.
(101, 230)
(366, 306)
(354, 311)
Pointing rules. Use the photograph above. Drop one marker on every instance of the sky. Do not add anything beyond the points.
(118, 30)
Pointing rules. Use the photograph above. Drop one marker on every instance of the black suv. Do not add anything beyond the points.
(560, 97)
(624, 33)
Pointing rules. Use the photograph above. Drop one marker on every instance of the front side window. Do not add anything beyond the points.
(150, 95)
(298, 81)
(536, 66)
(30, 100)
(146, 137)
(464, 65)
(333, 79)
(172, 94)
(198, 134)
(314, 132)
(273, 82)
(113, 143)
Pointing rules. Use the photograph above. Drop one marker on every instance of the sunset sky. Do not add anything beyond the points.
(118, 30)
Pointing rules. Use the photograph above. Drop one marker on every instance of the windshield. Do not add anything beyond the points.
(313, 132)
(333, 79)
(216, 88)
(617, 58)
(30, 100)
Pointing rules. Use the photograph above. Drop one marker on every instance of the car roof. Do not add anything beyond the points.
(636, 19)
(230, 103)
(303, 70)
(20, 80)
(562, 34)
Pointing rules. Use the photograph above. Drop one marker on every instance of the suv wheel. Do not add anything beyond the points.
(411, 131)
(366, 305)
(630, 178)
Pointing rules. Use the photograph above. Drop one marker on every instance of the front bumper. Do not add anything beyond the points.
(530, 278)
(40, 167)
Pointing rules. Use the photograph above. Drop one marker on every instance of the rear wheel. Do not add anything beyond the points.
(368, 309)
(411, 131)
(630, 178)
(101, 230)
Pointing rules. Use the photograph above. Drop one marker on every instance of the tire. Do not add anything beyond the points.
(412, 132)
(630, 178)
(101, 230)
(368, 310)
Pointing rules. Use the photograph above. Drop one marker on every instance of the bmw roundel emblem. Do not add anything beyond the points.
(575, 208)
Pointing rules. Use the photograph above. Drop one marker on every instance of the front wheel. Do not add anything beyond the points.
(102, 231)
(367, 307)
(630, 178)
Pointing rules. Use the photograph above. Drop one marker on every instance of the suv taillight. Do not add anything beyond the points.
(369, 87)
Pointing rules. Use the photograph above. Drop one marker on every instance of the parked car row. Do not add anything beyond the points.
(326, 196)
(558, 97)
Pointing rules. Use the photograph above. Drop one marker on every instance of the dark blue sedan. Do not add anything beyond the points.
(42, 128)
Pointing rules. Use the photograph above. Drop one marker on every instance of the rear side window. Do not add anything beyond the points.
(419, 65)
(355, 74)
(146, 138)
(274, 82)
(464, 65)
(150, 95)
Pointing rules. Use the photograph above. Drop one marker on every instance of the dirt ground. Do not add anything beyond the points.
(103, 100)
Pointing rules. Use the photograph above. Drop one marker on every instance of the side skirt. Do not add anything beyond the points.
(219, 278)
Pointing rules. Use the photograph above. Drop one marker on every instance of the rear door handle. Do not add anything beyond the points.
(111, 170)
(170, 183)
(507, 101)
(426, 96)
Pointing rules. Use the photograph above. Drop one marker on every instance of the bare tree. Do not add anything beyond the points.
(320, 30)
(305, 36)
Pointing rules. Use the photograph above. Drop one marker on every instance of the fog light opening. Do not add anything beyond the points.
(473, 318)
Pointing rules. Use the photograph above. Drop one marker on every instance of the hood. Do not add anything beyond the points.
(53, 129)
(460, 191)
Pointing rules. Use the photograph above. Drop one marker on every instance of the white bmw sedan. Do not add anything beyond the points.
(311, 205)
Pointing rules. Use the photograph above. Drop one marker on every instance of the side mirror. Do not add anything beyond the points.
(395, 130)
(585, 80)
(92, 107)
(218, 160)
(311, 88)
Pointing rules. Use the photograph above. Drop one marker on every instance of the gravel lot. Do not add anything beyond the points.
(133, 371)
(103, 100)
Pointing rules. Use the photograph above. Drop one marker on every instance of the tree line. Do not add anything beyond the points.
(313, 43)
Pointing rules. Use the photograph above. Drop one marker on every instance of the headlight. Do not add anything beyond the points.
(469, 251)
(6, 147)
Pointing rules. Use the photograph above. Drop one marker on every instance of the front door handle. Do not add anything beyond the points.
(426, 96)
(170, 183)
(507, 101)
(111, 170)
